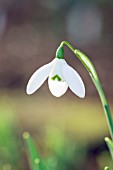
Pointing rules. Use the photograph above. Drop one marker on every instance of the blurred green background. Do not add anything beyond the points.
(69, 132)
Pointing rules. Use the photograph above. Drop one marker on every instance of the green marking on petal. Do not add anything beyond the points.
(56, 77)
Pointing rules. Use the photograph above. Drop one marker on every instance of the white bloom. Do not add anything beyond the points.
(61, 76)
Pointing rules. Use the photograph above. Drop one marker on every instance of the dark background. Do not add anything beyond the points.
(31, 31)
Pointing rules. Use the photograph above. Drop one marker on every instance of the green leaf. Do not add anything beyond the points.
(109, 143)
(106, 168)
(35, 161)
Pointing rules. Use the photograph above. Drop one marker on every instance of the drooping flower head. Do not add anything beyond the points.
(60, 76)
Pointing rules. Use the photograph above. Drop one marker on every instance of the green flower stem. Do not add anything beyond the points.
(91, 69)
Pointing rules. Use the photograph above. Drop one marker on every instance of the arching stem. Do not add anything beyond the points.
(91, 69)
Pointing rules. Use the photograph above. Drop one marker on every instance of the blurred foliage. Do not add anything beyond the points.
(63, 153)
(10, 151)
(35, 161)
(66, 152)
(109, 143)
(105, 158)
(65, 136)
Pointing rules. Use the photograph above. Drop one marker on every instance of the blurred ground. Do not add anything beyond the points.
(67, 122)
(81, 117)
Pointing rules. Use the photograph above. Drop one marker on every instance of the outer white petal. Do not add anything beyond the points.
(38, 78)
(57, 88)
(73, 80)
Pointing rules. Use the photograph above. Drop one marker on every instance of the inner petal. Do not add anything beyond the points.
(56, 72)
(57, 88)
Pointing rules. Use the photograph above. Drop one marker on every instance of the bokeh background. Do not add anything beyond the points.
(69, 132)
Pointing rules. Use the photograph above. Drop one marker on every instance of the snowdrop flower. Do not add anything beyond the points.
(60, 76)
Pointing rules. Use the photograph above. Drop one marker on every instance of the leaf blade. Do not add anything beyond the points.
(35, 160)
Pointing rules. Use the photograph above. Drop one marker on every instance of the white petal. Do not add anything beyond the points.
(38, 78)
(57, 88)
(57, 68)
(73, 80)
